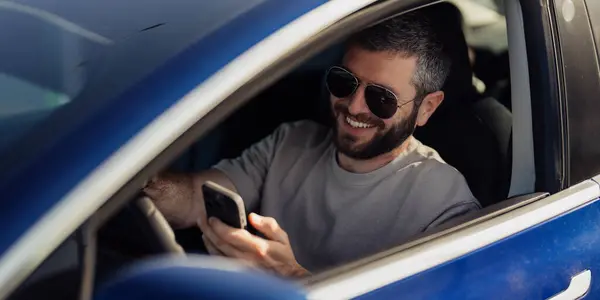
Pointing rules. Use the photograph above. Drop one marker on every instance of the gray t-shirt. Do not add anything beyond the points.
(333, 216)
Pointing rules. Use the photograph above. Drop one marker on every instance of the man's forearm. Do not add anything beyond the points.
(173, 195)
(179, 196)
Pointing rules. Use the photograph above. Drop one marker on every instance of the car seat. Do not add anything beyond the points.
(471, 133)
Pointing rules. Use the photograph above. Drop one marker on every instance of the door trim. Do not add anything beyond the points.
(400, 265)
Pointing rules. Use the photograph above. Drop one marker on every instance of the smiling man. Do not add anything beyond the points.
(327, 196)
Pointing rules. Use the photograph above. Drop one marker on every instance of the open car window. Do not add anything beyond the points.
(493, 121)
(304, 84)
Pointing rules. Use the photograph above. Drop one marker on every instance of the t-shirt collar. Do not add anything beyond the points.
(357, 179)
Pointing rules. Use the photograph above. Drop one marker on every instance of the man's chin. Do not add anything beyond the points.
(359, 150)
(350, 148)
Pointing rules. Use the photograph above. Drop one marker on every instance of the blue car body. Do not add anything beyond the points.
(55, 150)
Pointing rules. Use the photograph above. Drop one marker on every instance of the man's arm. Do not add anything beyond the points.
(178, 196)
(450, 198)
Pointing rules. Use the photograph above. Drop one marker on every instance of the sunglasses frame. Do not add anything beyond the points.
(366, 85)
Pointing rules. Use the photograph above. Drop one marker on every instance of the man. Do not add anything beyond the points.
(333, 196)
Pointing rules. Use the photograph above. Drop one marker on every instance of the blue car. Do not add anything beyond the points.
(96, 97)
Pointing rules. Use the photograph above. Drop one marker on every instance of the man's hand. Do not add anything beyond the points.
(274, 254)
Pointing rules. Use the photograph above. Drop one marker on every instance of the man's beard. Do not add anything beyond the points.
(383, 141)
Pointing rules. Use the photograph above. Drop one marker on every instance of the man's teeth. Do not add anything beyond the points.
(357, 124)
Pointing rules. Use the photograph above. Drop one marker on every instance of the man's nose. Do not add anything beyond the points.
(358, 104)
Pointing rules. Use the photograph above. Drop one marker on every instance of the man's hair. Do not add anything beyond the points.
(409, 35)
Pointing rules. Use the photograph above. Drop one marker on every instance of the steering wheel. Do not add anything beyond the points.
(139, 229)
(164, 233)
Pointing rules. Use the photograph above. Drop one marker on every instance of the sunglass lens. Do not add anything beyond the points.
(381, 102)
(341, 83)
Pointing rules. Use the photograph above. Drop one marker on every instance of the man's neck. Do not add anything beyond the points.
(368, 165)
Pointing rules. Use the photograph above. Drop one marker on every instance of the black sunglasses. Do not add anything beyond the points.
(382, 102)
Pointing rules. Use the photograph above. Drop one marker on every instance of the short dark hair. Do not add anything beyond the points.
(409, 35)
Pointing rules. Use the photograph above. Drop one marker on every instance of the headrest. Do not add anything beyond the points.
(446, 20)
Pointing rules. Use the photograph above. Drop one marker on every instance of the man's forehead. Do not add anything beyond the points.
(381, 67)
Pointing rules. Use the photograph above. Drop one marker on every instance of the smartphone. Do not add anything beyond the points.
(224, 204)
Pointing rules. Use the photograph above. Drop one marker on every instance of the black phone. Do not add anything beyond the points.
(224, 205)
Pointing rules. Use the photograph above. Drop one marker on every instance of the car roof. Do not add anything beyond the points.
(139, 58)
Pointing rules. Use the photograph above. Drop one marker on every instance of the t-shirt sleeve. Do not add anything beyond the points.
(248, 171)
(454, 211)
(452, 195)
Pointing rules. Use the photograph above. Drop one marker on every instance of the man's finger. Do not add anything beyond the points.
(225, 249)
(239, 238)
(201, 224)
(231, 251)
(210, 235)
(227, 239)
(223, 246)
(269, 227)
(210, 247)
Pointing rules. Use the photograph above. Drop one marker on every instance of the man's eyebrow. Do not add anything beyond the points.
(375, 83)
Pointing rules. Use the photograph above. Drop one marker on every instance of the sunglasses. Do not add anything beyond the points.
(382, 102)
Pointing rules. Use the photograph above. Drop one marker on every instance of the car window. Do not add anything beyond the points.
(305, 85)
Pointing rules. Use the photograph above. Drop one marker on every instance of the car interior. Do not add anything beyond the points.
(472, 130)
(465, 116)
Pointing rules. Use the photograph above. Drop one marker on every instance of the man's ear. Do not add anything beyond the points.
(429, 104)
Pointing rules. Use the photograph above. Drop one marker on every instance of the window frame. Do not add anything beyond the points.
(580, 67)
(547, 96)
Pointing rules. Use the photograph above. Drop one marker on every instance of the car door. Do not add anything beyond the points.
(529, 253)
(540, 248)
